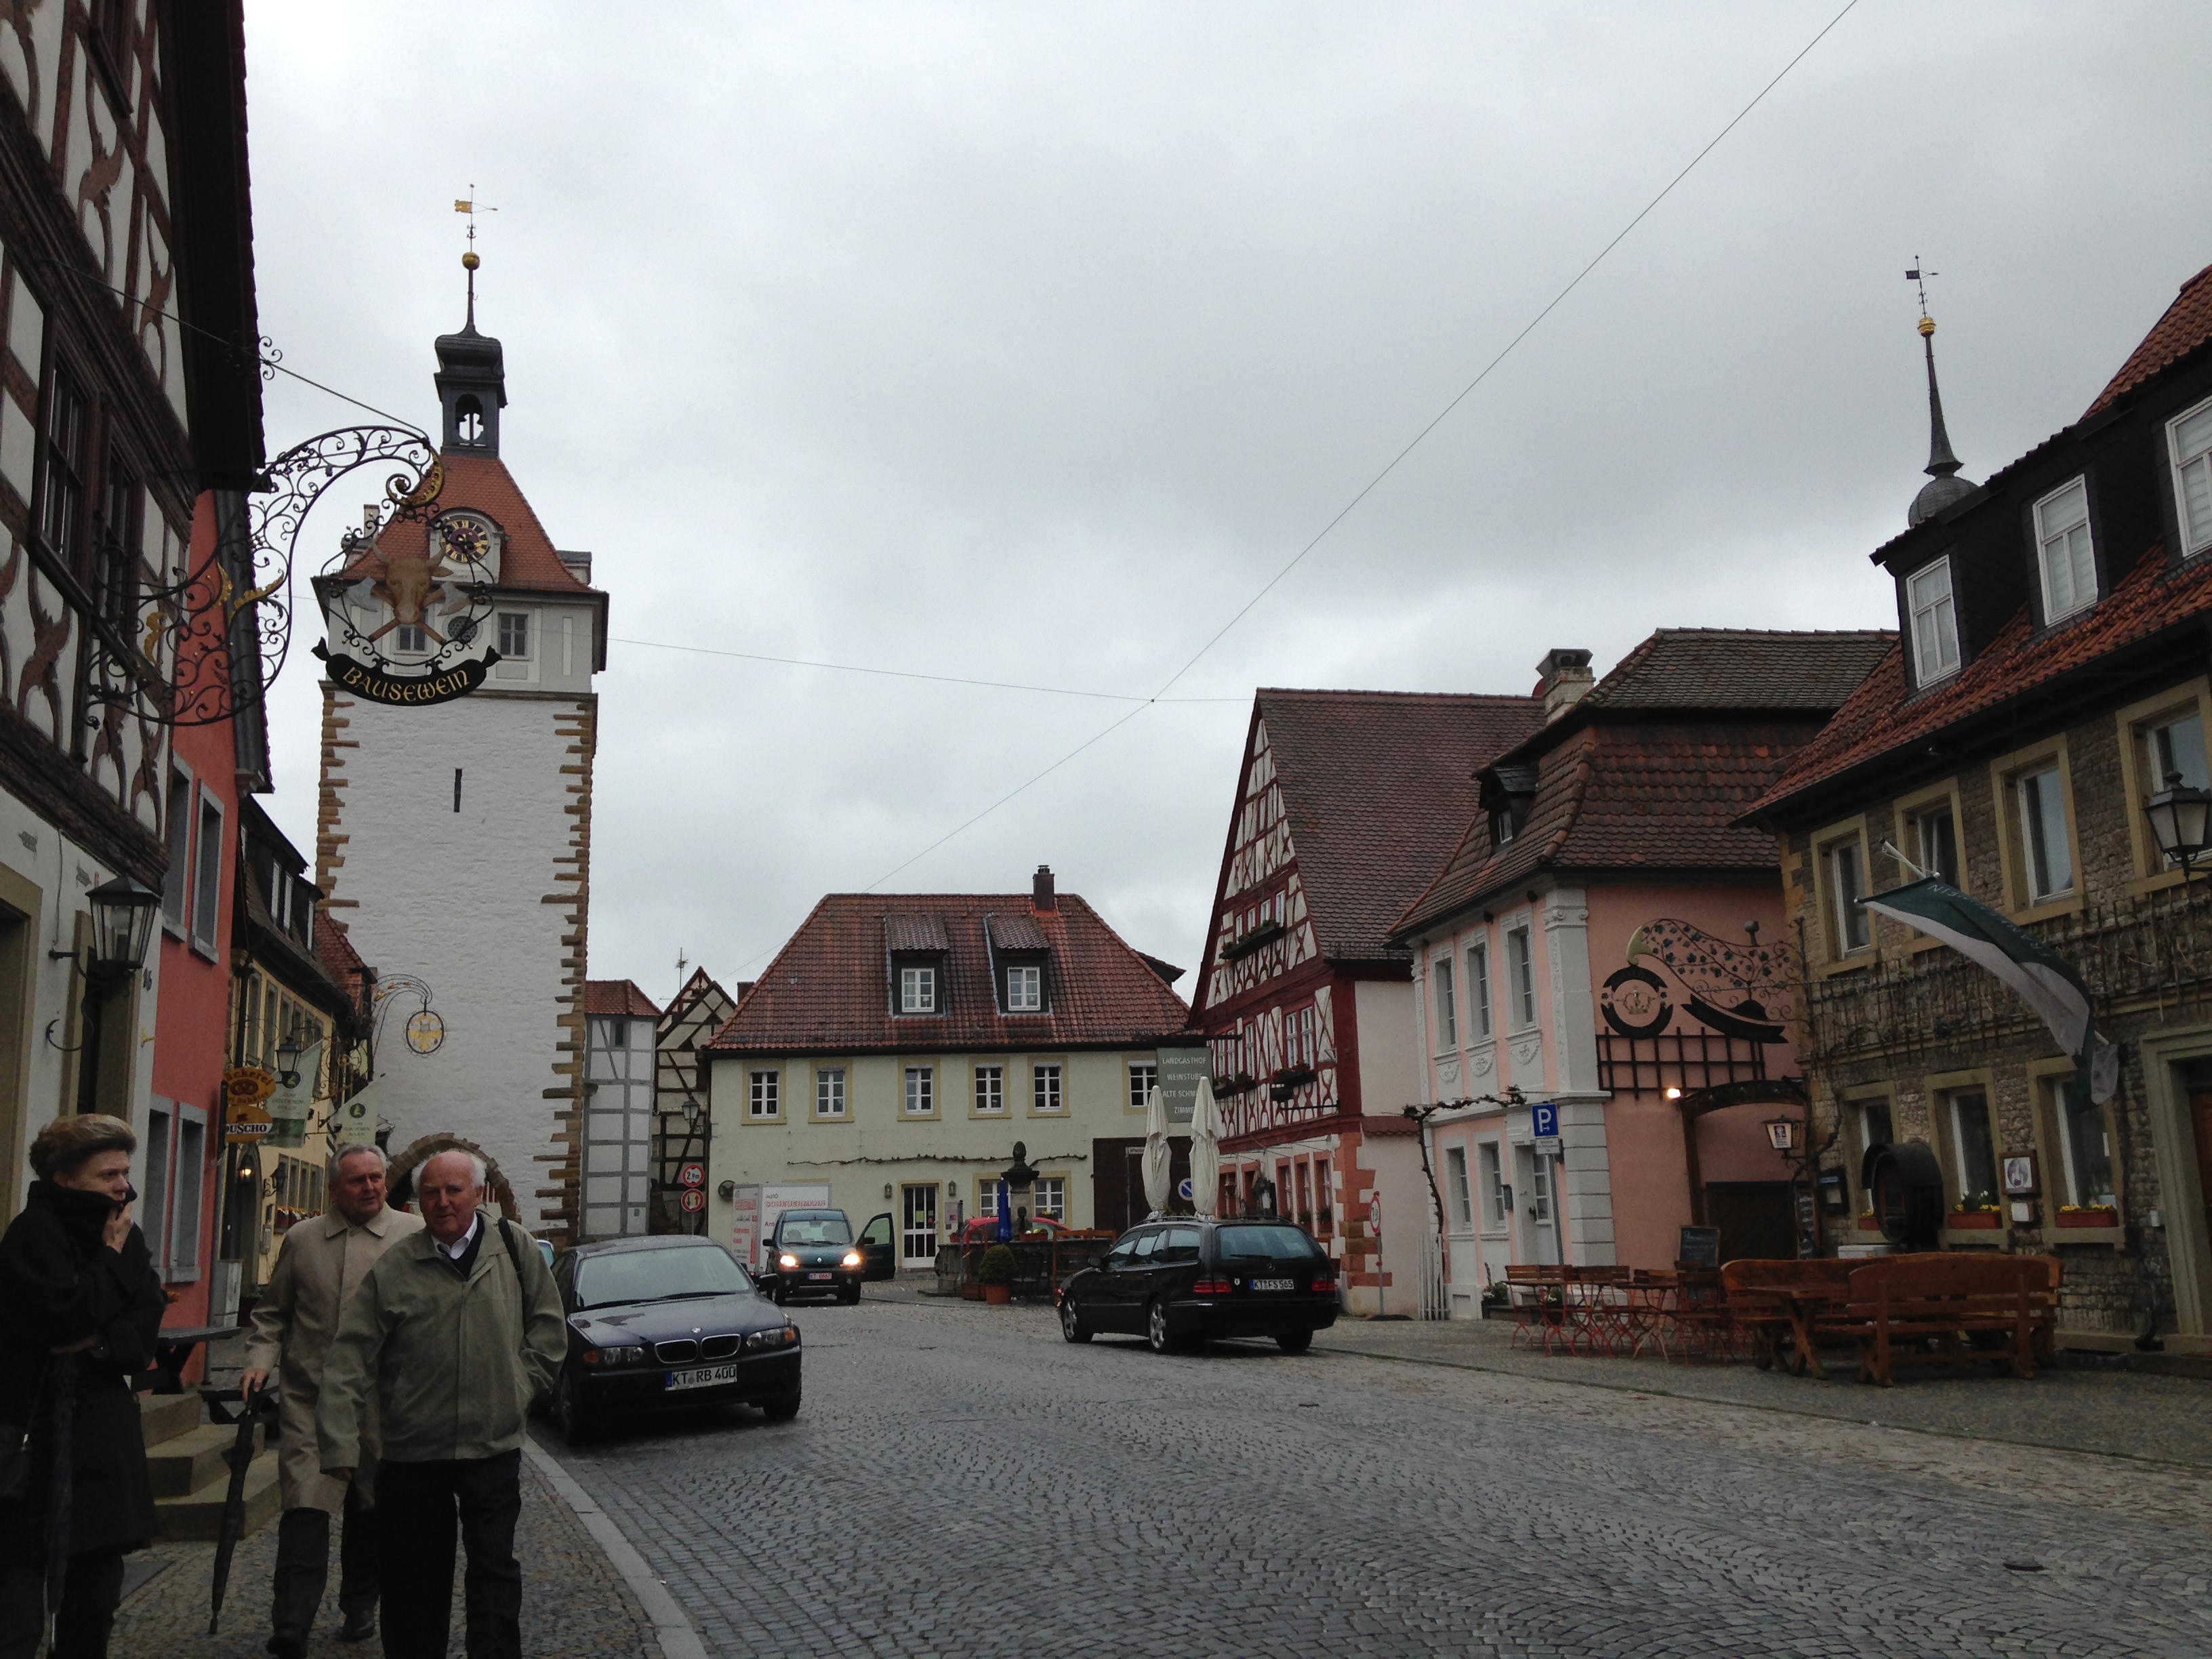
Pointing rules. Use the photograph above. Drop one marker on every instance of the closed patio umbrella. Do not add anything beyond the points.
(1206, 1150)
(1157, 1167)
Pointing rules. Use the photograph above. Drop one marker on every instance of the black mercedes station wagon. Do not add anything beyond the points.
(1190, 1278)
(667, 1322)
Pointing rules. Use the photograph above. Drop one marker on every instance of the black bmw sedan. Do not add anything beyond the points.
(1189, 1278)
(661, 1323)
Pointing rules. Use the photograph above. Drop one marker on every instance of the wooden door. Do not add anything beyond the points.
(2200, 1121)
(1757, 1219)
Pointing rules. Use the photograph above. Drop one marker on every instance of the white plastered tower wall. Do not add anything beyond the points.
(487, 904)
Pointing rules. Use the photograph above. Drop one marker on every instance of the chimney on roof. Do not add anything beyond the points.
(1564, 678)
(1041, 897)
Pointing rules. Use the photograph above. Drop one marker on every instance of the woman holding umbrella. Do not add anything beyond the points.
(80, 1303)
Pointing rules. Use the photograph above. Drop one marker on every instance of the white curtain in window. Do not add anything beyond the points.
(2192, 464)
(2070, 566)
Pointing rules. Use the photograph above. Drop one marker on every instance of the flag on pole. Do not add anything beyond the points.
(2040, 977)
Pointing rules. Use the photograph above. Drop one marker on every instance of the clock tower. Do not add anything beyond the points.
(453, 837)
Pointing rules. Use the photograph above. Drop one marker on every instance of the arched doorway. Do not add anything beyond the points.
(400, 1184)
(1758, 1219)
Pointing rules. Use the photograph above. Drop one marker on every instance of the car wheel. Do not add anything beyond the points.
(776, 1295)
(852, 1296)
(1294, 1341)
(781, 1407)
(1071, 1322)
(575, 1424)
(1158, 1337)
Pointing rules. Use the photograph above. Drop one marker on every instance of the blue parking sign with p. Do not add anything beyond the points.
(1544, 1120)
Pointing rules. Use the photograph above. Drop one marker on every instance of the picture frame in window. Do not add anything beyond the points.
(2021, 1179)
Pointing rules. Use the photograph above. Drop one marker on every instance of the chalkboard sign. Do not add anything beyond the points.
(1700, 1248)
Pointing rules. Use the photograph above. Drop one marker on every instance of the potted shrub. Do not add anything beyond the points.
(2089, 1215)
(1976, 1210)
(997, 1272)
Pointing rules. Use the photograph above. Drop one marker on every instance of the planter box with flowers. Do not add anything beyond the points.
(1868, 1222)
(2089, 1215)
(997, 1272)
(1968, 1220)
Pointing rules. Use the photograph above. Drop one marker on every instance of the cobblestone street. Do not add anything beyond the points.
(962, 1482)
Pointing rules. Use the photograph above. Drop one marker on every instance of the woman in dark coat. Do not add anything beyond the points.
(77, 1288)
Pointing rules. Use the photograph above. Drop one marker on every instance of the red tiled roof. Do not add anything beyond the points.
(827, 992)
(483, 481)
(2186, 325)
(1377, 786)
(2148, 600)
(1741, 668)
(1016, 932)
(336, 952)
(909, 930)
(618, 996)
(1615, 797)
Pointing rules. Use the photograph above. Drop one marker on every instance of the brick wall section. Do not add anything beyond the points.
(580, 733)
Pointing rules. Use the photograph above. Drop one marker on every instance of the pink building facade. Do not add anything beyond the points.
(1604, 942)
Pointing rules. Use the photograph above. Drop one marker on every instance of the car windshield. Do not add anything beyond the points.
(816, 1229)
(658, 1275)
(1273, 1243)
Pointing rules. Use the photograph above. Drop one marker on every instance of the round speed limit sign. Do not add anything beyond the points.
(693, 1201)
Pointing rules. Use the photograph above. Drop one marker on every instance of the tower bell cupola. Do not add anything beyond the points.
(471, 381)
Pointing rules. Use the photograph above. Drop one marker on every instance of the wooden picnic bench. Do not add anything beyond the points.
(1772, 1298)
(1923, 1311)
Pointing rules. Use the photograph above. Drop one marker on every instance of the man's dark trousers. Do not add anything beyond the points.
(416, 1506)
(303, 1563)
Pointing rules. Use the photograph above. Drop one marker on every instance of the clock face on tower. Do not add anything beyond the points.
(410, 614)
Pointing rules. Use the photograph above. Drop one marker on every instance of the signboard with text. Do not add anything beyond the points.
(245, 1119)
(354, 1123)
(745, 1223)
(1180, 1072)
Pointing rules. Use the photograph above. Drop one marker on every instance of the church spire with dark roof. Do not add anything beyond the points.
(471, 381)
(1944, 486)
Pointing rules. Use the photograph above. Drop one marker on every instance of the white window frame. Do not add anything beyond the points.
(1521, 968)
(919, 1095)
(990, 1091)
(1942, 613)
(207, 907)
(1953, 1104)
(1460, 1188)
(1048, 1089)
(1024, 988)
(830, 1092)
(160, 1156)
(1478, 990)
(1489, 1160)
(1847, 901)
(2034, 833)
(2055, 529)
(764, 1095)
(1048, 1198)
(182, 870)
(2196, 530)
(1447, 1003)
(1144, 1077)
(918, 988)
(1923, 818)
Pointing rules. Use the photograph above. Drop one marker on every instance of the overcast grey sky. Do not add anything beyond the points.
(1026, 343)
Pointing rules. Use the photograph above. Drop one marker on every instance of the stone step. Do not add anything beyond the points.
(197, 1516)
(182, 1466)
(165, 1416)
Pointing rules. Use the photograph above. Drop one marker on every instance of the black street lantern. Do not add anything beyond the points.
(122, 926)
(288, 1061)
(2181, 821)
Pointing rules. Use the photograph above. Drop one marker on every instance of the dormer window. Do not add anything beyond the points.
(2190, 439)
(1933, 623)
(2064, 550)
(1501, 826)
(918, 990)
(1025, 989)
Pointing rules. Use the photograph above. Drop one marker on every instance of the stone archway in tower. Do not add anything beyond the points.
(400, 1182)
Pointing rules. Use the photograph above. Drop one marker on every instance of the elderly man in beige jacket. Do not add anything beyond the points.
(322, 1262)
(454, 1333)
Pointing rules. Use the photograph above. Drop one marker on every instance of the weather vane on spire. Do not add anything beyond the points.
(470, 205)
(1917, 276)
(1945, 486)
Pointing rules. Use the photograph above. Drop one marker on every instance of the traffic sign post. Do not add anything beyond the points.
(692, 1175)
(1544, 1124)
(693, 1201)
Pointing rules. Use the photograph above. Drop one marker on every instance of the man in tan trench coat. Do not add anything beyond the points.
(322, 1262)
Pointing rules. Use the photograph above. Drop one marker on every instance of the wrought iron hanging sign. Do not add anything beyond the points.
(408, 601)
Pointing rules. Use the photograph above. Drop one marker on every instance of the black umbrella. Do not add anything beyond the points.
(63, 1492)
(252, 1410)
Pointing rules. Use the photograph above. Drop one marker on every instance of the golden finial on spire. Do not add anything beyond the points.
(470, 205)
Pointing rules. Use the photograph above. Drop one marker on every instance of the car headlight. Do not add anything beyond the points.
(628, 1355)
(782, 1336)
(786, 1262)
(852, 1258)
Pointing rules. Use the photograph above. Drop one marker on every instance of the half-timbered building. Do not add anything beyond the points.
(620, 1062)
(1605, 943)
(683, 1125)
(130, 432)
(1348, 802)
